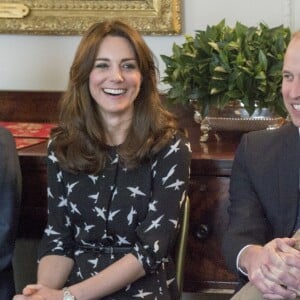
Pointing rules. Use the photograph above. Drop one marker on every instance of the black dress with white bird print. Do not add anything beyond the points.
(137, 210)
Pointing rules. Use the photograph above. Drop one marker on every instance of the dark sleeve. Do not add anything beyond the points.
(170, 179)
(57, 238)
(10, 194)
(247, 222)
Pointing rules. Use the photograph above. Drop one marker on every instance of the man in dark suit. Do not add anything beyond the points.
(10, 193)
(264, 210)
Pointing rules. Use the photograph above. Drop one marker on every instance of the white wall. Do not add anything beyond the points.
(42, 63)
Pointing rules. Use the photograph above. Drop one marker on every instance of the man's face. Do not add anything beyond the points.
(291, 80)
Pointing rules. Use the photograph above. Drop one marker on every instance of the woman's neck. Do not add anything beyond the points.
(116, 132)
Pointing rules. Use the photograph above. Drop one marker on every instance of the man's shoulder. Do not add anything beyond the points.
(5, 132)
(6, 136)
(260, 142)
(265, 136)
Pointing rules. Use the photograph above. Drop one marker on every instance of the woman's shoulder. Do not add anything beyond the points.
(178, 143)
(178, 136)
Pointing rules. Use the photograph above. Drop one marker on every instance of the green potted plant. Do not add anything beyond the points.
(224, 63)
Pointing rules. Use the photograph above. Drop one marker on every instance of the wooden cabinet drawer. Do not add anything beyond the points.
(205, 266)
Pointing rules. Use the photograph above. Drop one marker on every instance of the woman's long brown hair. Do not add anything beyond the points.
(79, 140)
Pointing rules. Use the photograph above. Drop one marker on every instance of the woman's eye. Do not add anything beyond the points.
(130, 66)
(101, 65)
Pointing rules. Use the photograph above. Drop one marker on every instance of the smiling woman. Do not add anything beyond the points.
(118, 173)
(62, 17)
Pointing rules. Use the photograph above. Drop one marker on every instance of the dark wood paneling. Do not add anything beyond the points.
(21, 106)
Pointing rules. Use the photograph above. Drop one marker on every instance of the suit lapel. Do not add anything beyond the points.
(288, 170)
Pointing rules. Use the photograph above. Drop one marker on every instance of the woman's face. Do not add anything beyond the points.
(115, 79)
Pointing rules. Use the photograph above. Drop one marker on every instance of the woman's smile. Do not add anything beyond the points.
(114, 92)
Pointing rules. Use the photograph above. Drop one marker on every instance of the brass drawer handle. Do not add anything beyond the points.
(202, 232)
(202, 187)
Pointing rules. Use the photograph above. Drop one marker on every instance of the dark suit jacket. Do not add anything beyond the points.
(10, 192)
(264, 189)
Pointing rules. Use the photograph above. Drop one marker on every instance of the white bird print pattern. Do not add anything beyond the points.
(112, 214)
(175, 222)
(71, 186)
(156, 246)
(122, 240)
(63, 201)
(59, 244)
(135, 191)
(173, 148)
(52, 157)
(68, 221)
(154, 224)
(115, 192)
(142, 294)
(120, 207)
(93, 178)
(87, 227)
(94, 262)
(49, 194)
(100, 212)
(74, 208)
(49, 231)
(94, 197)
(59, 176)
(130, 215)
(176, 184)
(170, 173)
(152, 205)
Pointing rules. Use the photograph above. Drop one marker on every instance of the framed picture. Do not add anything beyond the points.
(66, 17)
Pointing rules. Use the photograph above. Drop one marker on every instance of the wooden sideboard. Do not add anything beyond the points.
(210, 174)
(209, 185)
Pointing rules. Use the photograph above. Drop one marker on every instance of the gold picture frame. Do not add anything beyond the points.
(66, 17)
